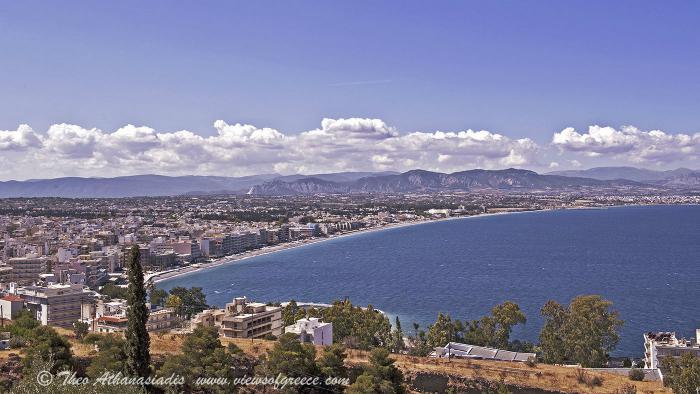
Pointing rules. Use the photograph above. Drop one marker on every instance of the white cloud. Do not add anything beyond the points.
(353, 144)
(22, 138)
(629, 143)
(72, 141)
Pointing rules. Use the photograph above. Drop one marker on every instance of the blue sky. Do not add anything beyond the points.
(521, 69)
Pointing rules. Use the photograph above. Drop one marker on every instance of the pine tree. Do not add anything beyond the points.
(137, 340)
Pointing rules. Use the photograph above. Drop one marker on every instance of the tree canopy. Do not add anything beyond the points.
(137, 339)
(683, 374)
(585, 332)
(380, 376)
(363, 328)
(202, 356)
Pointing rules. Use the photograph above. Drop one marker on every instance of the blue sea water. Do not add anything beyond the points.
(646, 260)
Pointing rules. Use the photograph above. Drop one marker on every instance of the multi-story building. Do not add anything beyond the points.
(659, 345)
(242, 319)
(162, 259)
(5, 274)
(245, 319)
(113, 318)
(208, 318)
(312, 330)
(163, 319)
(26, 270)
(10, 306)
(110, 324)
(55, 305)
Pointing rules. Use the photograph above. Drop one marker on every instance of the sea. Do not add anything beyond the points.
(645, 259)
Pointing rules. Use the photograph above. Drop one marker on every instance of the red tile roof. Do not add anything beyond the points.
(12, 298)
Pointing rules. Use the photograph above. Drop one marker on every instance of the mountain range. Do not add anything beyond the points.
(353, 182)
(155, 185)
(629, 173)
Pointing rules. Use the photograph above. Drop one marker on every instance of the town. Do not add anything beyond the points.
(63, 261)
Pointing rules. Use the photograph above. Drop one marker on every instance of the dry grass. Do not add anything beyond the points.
(541, 376)
(548, 377)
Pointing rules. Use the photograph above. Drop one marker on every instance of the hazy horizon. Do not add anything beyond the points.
(340, 172)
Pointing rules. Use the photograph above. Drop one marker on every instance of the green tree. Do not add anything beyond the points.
(332, 364)
(111, 356)
(174, 302)
(584, 333)
(23, 325)
(361, 327)
(45, 344)
(683, 374)
(291, 313)
(552, 339)
(202, 356)
(291, 358)
(80, 329)
(30, 384)
(192, 300)
(137, 339)
(113, 291)
(158, 296)
(418, 342)
(442, 332)
(367, 384)
(397, 342)
(495, 330)
(380, 376)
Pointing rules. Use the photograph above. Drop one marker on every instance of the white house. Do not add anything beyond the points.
(312, 330)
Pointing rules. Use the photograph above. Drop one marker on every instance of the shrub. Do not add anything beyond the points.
(636, 374)
(591, 381)
(531, 362)
(595, 381)
(16, 342)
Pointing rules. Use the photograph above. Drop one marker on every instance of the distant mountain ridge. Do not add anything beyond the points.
(421, 180)
(152, 185)
(629, 173)
(351, 182)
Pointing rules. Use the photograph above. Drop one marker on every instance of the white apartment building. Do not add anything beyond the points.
(312, 330)
(659, 345)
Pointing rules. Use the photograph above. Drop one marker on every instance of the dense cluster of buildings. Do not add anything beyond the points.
(56, 255)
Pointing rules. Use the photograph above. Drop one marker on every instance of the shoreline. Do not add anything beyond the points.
(183, 271)
(187, 270)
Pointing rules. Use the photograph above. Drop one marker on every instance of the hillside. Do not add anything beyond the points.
(424, 181)
(155, 185)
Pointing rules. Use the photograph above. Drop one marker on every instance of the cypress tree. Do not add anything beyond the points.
(137, 340)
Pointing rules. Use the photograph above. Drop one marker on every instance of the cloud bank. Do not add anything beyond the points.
(630, 143)
(353, 144)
